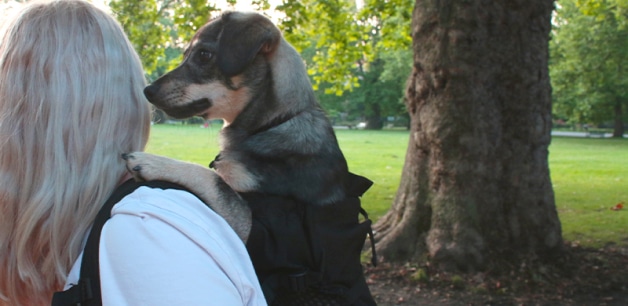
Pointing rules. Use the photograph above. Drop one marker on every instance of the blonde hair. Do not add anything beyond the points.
(70, 103)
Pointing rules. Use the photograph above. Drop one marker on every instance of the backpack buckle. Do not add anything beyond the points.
(298, 282)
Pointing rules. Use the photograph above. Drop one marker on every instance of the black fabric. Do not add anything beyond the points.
(87, 291)
(307, 254)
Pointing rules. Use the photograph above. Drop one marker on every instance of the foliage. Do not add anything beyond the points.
(368, 81)
(344, 36)
(380, 93)
(154, 26)
(603, 9)
(589, 60)
(391, 19)
(339, 41)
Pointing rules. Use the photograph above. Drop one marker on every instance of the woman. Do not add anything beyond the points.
(70, 103)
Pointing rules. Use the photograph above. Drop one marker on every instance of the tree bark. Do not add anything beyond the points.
(374, 117)
(476, 184)
(618, 129)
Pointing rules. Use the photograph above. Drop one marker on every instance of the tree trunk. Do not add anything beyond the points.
(476, 184)
(374, 117)
(618, 130)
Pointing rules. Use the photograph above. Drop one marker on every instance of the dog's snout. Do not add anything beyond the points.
(151, 92)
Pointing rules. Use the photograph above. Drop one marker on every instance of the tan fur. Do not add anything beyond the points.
(237, 176)
(227, 103)
(194, 177)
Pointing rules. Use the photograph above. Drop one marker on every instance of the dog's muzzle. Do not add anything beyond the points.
(194, 108)
(151, 92)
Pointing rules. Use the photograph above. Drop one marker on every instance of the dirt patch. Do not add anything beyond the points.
(583, 276)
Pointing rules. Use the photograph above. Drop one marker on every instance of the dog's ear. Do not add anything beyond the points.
(243, 37)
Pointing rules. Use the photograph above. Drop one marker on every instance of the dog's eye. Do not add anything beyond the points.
(204, 55)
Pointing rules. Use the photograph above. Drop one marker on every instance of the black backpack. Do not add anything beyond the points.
(306, 254)
(288, 246)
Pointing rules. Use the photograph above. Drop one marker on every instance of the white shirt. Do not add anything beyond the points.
(166, 247)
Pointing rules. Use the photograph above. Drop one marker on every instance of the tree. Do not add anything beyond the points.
(387, 23)
(588, 64)
(157, 26)
(475, 184)
(344, 36)
(338, 39)
(379, 94)
(353, 53)
(602, 8)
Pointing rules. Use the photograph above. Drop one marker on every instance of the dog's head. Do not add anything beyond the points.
(224, 64)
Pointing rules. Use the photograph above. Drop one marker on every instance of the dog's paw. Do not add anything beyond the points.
(146, 167)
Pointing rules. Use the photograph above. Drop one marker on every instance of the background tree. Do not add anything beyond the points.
(388, 25)
(381, 97)
(379, 93)
(475, 183)
(330, 28)
(353, 53)
(589, 63)
(159, 29)
(601, 9)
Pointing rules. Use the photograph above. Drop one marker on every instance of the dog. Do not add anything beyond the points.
(276, 139)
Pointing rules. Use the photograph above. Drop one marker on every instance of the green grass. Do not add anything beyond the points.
(185, 142)
(589, 175)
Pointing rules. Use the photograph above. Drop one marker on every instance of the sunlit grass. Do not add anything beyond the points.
(589, 175)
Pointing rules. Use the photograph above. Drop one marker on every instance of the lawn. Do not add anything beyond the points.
(589, 175)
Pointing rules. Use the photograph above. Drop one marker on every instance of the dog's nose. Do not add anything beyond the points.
(150, 92)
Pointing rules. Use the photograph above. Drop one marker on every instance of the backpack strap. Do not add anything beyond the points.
(357, 185)
(87, 291)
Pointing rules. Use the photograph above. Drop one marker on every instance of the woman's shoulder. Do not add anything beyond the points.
(177, 208)
(164, 203)
(156, 236)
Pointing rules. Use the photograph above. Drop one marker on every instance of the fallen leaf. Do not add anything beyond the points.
(618, 206)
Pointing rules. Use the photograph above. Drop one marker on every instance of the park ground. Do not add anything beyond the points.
(584, 276)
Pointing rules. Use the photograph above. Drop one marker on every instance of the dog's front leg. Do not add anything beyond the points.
(203, 182)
